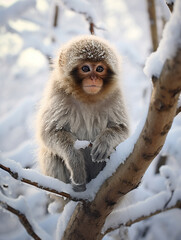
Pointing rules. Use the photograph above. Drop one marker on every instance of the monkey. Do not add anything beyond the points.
(83, 100)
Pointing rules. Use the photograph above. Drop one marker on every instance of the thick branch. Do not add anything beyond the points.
(22, 218)
(88, 218)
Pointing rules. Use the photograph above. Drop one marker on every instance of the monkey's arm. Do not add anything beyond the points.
(60, 142)
(107, 140)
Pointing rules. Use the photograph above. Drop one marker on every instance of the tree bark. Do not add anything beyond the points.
(89, 217)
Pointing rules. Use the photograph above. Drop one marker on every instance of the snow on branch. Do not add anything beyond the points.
(170, 43)
(36, 179)
(15, 10)
(84, 8)
(53, 185)
(161, 202)
(19, 208)
(141, 211)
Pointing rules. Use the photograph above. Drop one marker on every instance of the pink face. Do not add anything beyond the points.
(92, 75)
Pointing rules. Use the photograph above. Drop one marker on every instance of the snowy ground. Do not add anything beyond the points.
(25, 43)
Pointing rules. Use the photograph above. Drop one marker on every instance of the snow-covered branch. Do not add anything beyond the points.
(84, 8)
(153, 206)
(169, 45)
(161, 202)
(36, 179)
(20, 209)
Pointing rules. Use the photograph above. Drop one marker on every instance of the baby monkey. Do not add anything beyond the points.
(82, 101)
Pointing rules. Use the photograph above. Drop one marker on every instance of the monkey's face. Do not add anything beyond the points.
(90, 81)
(92, 76)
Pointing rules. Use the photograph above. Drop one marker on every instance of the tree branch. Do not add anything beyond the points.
(89, 16)
(22, 218)
(55, 20)
(20, 208)
(153, 23)
(141, 218)
(16, 176)
(88, 19)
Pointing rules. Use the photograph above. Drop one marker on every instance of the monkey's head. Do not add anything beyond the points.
(90, 68)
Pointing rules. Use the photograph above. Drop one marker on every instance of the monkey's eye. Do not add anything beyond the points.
(85, 68)
(99, 69)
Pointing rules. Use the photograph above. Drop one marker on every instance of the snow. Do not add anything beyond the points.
(15, 10)
(84, 6)
(25, 44)
(81, 144)
(64, 219)
(168, 46)
(170, 1)
(54, 206)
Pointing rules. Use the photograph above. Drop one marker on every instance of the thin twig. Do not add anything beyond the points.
(131, 222)
(15, 175)
(91, 28)
(88, 18)
(161, 161)
(170, 6)
(23, 219)
(153, 23)
(55, 22)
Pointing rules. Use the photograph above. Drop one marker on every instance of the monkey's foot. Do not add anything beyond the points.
(79, 187)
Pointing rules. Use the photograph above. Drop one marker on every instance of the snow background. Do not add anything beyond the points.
(26, 44)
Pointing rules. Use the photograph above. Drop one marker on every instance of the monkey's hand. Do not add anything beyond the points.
(101, 150)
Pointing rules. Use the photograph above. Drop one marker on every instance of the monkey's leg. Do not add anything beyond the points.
(52, 165)
(76, 165)
(92, 168)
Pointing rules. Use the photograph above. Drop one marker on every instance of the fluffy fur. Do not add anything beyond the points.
(67, 113)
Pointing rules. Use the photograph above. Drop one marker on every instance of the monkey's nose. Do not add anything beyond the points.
(93, 77)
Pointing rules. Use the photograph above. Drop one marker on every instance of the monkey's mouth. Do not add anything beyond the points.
(92, 86)
(92, 89)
